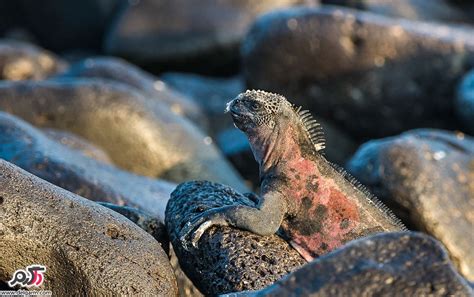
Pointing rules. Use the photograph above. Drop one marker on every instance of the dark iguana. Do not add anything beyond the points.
(316, 206)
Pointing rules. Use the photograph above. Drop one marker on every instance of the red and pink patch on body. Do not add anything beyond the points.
(325, 215)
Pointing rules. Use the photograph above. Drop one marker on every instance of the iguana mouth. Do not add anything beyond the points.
(235, 114)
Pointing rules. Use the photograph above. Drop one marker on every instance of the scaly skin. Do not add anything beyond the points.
(316, 206)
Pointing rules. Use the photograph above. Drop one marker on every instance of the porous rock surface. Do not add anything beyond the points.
(87, 249)
(428, 176)
(227, 259)
(386, 264)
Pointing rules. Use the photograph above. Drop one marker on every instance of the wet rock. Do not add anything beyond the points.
(21, 60)
(31, 150)
(186, 34)
(362, 71)
(388, 264)
(87, 249)
(62, 25)
(429, 176)
(434, 10)
(465, 102)
(138, 134)
(121, 71)
(149, 223)
(78, 143)
(227, 259)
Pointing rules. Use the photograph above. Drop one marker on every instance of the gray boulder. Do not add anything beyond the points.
(87, 249)
(138, 134)
(21, 60)
(186, 34)
(121, 71)
(373, 75)
(433, 10)
(68, 168)
(428, 176)
(387, 264)
(78, 143)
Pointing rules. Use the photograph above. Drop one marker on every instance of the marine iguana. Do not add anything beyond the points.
(315, 206)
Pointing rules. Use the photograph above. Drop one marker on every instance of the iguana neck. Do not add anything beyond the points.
(283, 147)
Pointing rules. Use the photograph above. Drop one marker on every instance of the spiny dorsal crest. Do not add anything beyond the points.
(312, 127)
(274, 103)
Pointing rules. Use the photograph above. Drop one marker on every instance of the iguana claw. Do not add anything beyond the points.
(196, 228)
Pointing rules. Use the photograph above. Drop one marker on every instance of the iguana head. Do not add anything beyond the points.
(258, 111)
(273, 125)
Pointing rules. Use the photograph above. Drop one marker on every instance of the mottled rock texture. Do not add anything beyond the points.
(138, 134)
(150, 223)
(87, 249)
(226, 259)
(428, 176)
(361, 70)
(21, 60)
(387, 264)
(186, 34)
(156, 228)
(68, 168)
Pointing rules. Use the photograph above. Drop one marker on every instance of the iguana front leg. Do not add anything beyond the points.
(265, 219)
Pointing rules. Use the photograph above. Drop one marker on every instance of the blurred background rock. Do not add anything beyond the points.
(120, 100)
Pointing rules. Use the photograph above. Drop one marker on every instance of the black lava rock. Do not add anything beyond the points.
(387, 264)
(227, 259)
(427, 176)
(373, 75)
(434, 10)
(186, 34)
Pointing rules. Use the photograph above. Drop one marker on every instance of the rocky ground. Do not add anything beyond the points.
(113, 137)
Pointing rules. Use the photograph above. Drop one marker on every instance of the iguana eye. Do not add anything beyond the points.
(254, 105)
